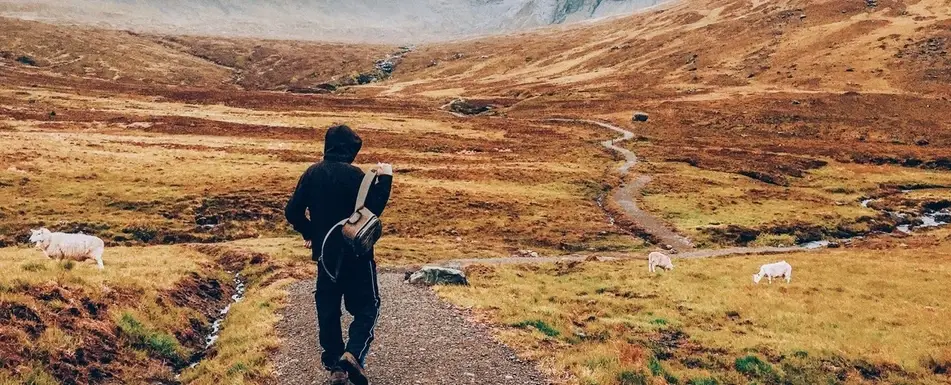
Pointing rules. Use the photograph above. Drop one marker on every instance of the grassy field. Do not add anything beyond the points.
(144, 318)
(877, 313)
(147, 172)
(823, 203)
(180, 152)
(135, 320)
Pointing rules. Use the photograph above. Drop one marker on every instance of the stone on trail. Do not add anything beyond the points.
(640, 116)
(432, 275)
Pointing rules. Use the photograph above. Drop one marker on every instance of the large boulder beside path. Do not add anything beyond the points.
(434, 275)
(640, 116)
(466, 107)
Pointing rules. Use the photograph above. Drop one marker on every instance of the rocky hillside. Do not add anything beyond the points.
(386, 21)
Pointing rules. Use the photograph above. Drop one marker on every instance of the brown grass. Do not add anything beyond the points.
(856, 312)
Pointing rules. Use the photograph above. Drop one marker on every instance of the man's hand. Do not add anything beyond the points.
(307, 244)
(385, 168)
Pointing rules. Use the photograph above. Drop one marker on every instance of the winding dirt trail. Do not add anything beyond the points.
(625, 195)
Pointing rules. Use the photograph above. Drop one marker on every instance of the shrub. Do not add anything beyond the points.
(655, 367)
(33, 267)
(659, 321)
(658, 370)
(157, 343)
(632, 378)
(539, 325)
(703, 381)
(753, 367)
(38, 376)
(238, 368)
(141, 233)
(938, 365)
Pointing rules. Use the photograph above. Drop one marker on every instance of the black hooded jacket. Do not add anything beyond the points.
(328, 190)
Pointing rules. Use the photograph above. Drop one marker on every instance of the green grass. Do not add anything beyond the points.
(754, 368)
(157, 343)
(632, 378)
(539, 325)
(703, 381)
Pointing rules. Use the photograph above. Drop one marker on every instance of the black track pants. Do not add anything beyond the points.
(357, 287)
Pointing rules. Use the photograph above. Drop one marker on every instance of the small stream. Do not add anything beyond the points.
(927, 219)
(240, 285)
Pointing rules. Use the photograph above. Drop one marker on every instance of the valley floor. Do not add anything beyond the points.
(187, 190)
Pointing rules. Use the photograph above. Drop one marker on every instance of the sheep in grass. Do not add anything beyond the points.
(655, 260)
(774, 270)
(75, 247)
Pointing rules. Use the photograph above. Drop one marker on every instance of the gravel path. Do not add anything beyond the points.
(420, 340)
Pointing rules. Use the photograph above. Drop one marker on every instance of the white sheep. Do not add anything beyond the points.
(655, 260)
(76, 247)
(774, 270)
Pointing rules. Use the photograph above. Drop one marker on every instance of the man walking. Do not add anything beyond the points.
(328, 191)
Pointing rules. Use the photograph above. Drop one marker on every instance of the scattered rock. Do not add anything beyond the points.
(526, 254)
(640, 116)
(26, 60)
(592, 258)
(871, 3)
(922, 141)
(433, 275)
(465, 107)
(309, 90)
(386, 66)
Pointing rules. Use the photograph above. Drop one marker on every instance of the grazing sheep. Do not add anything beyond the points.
(774, 270)
(76, 247)
(655, 260)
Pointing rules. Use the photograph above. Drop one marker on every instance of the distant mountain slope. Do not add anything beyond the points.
(705, 46)
(382, 21)
(31, 49)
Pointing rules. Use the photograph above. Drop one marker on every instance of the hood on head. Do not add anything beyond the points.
(341, 144)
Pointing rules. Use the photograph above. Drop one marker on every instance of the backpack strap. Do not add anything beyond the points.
(333, 276)
(364, 189)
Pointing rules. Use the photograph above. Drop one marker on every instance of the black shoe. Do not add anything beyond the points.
(338, 377)
(350, 363)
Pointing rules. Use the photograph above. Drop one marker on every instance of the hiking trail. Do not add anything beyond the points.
(625, 195)
(419, 340)
(423, 340)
